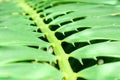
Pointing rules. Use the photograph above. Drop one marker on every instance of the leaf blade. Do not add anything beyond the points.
(108, 49)
(30, 71)
(22, 53)
(109, 71)
(95, 33)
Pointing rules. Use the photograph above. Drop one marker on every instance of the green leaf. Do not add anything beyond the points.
(109, 33)
(69, 8)
(28, 71)
(8, 8)
(21, 53)
(52, 2)
(11, 37)
(92, 22)
(22, 34)
(110, 49)
(94, 12)
(9, 20)
(109, 71)
(101, 1)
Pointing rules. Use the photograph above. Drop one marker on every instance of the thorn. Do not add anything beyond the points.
(47, 47)
(63, 33)
(64, 13)
(23, 13)
(44, 36)
(76, 29)
(109, 40)
(35, 61)
(95, 58)
(89, 42)
(71, 20)
(59, 24)
(81, 62)
(73, 44)
(44, 14)
(39, 47)
(52, 18)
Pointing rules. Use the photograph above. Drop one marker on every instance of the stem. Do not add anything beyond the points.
(63, 62)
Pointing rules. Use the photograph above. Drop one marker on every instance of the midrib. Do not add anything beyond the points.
(61, 56)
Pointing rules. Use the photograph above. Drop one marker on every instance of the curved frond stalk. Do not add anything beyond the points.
(77, 31)
(56, 44)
